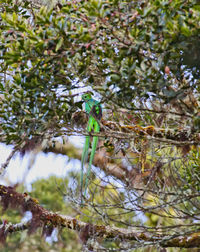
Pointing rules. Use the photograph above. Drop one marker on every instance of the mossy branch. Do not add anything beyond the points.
(42, 218)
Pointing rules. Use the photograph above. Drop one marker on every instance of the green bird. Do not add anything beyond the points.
(94, 110)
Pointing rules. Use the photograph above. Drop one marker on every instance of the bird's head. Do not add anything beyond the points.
(86, 97)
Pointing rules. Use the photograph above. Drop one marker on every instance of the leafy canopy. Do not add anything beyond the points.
(128, 51)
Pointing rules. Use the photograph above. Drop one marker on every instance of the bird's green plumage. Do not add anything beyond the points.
(94, 110)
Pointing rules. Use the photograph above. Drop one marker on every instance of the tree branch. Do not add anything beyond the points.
(48, 220)
(4, 165)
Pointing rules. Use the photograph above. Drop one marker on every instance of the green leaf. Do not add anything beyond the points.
(114, 77)
(186, 30)
(59, 44)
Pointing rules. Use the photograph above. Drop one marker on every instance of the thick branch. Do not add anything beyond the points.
(43, 218)
(151, 133)
(101, 159)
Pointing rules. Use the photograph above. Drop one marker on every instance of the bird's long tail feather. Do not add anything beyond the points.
(94, 146)
(83, 160)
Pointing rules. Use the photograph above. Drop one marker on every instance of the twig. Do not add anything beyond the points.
(5, 165)
(9, 197)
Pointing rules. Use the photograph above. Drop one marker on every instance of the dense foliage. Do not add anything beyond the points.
(141, 60)
(132, 51)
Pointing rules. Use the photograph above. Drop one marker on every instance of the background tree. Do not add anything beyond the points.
(140, 59)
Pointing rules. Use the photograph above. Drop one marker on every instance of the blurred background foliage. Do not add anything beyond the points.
(141, 60)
